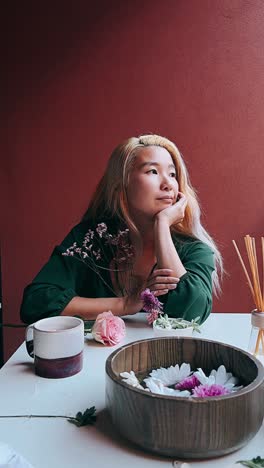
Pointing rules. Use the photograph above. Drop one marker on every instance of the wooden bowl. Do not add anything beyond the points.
(180, 426)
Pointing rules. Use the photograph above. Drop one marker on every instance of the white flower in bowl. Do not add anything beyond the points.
(172, 374)
(156, 386)
(131, 379)
(218, 377)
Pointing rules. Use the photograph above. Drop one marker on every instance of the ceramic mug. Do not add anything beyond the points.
(56, 344)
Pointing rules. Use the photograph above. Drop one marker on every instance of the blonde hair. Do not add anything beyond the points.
(110, 197)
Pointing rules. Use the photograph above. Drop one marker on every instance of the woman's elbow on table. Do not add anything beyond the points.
(42, 301)
(196, 305)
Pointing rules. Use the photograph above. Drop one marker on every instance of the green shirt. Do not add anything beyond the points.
(64, 277)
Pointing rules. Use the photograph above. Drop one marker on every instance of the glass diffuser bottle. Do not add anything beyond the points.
(256, 340)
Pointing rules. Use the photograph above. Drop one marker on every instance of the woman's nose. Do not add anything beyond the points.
(166, 183)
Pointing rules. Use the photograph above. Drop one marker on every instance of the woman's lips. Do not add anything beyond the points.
(167, 200)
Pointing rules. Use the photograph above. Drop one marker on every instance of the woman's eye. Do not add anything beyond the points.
(152, 171)
(173, 174)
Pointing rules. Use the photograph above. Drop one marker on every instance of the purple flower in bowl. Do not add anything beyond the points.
(203, 391)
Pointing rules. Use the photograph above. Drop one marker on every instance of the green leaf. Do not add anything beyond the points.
(84, 419)
(195, 323)
(165, 322)
(88, 325)
(257, 462)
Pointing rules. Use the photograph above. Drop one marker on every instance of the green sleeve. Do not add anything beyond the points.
(61, 279)
(193, 296)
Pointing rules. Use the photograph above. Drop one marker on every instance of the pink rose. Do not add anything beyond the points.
(108, 329)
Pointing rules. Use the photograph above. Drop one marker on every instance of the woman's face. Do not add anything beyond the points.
(152, 184)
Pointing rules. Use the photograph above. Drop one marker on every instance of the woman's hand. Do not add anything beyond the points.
(131, 304)
(173, 213)
(161, 281)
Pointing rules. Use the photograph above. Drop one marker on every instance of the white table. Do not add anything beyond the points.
(55, 443)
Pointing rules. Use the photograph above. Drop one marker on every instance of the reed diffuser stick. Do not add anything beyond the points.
(259, 337)
(252, 257)
(244, 268)
(262, 245)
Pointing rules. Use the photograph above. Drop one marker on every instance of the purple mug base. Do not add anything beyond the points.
(59, 368)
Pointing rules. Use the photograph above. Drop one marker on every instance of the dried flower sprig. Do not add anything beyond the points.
(100, 247)
(93, 247)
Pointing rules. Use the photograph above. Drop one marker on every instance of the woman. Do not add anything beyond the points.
(146, 189)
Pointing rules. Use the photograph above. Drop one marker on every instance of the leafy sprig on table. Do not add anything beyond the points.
(257, 462)
(166, 322)
(88, 417)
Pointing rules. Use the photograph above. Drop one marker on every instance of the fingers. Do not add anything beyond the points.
(160, 292)
(162, 275)
(182, 197)
(182, 203)
(161, 281)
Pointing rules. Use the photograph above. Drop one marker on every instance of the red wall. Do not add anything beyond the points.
(81, 78)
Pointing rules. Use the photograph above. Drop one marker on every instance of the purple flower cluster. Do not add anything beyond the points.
(188, 384)
(192, 384)
(94, 246)
(206, 390)
(152, 305)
